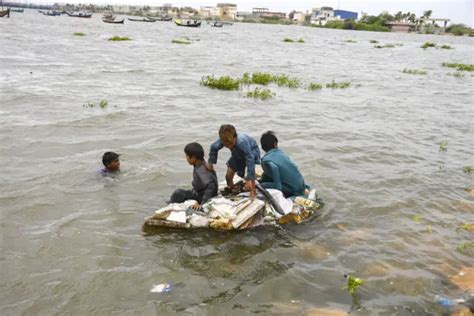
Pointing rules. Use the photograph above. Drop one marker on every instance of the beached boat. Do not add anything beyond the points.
(188, 23)
(5, 13)
(238, 211)
(113, 21)
(142, 20)
(79, 15)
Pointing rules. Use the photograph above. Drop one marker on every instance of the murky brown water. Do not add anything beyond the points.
(71, 244)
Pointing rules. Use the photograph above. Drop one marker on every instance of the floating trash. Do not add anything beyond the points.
(159, 288)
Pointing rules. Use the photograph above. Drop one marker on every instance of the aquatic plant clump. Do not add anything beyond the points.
(457, 74)
(79, 34)
(314, 86)
(414, 71)
(374, 42)
(338, 85)
(468, 169)
(288, 40)
(102, 104)
(446, 47)
(221, 83)
(118, 39)
(262, 94)
(262, 78)
(428, 45)
(465, 246)
(458, 66)
(350, 41)
(352, 284)
(284, 80)
(385, 46)
(443, 146)
(301, 40)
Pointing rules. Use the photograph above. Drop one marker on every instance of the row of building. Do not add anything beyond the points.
(223, 11)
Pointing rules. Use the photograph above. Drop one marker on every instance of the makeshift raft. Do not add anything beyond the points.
(238, 212)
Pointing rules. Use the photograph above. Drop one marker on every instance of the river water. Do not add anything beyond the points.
(73, 244)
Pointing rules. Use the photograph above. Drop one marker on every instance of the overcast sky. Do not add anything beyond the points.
(459, 11)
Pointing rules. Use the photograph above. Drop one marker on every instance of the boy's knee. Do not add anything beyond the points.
(178, 196)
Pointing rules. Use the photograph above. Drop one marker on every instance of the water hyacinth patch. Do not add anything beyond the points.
(288, 40)
(338, 85)
(428, 45)
(446, 47)
(262, 94)
(314, 86)
(414, 71)
(262, 78)
(468, 169)
(221, 83)
(301, 40)
(460, 67)
(102, 104)
(79, 34)
(284, 80)
(118, 39)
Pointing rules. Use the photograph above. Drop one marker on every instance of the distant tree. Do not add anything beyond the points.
(399, 16)
(427, 14)
(412, 17)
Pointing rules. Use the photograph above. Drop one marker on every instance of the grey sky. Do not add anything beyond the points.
(459, 11)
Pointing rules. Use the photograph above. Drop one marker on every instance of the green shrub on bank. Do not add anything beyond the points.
(458, 29)
(221, 83)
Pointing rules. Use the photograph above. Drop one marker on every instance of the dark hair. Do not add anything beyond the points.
(194, 150)
(227, 132)
(109, 157)
(268, 140)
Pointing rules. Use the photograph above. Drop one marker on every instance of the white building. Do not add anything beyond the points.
(227, 11)
(209, 12)
(299, 17)
(322, 15)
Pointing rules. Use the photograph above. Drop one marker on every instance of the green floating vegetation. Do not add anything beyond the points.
(221, 83)
(79, 34)
(428, 45)
(460, 67)
(446, 47)
(262, 94)
(467, 226)
(262, 78)
(414, 71)
(314, 86)
(181, 41)
(374, 42)
(443, 146)
(265, 78)
(301, 40)
(284, 80)
(102, 104)
(118, 39)
(417, 218)
(352, 284)
(465, 246)
(338, 85)
(385, 46)
(468, 169)
(457, 74)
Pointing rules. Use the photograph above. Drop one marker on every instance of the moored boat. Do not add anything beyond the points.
(51, 13)
(79, 15)
(113, 21)
(5, 13)
(187, 23)
(147, 19)
(217, 24)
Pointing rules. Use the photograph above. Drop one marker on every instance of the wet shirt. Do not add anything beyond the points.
(204, 183)
(280, 173)
(246, 149)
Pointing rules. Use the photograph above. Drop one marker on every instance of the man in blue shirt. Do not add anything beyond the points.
(279, 172)
(244, 155)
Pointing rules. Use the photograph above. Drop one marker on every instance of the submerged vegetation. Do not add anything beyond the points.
(338, 85)
(79, 34)
(262, 94)
(460, 67)
(118, 39)
(221, 83)
(414, 71)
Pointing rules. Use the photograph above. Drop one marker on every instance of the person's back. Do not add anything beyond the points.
(279, 171)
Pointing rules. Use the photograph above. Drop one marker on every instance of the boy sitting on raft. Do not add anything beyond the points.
(111, 163)
(279, 172)
(204, 181)
(244, 155)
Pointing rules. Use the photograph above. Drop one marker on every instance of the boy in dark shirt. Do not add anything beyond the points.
(204, 181)
(111, 163)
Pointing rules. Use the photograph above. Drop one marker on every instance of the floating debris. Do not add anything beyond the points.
(159, 288)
